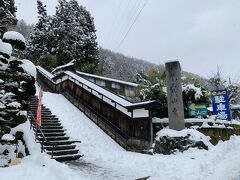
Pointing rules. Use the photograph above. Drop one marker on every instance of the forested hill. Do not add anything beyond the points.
(119, 66)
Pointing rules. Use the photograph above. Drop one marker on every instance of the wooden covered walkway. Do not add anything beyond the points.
(129, 124)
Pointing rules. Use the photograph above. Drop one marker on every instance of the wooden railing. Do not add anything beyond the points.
(131, 133)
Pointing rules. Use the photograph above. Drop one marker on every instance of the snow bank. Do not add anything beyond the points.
(194, 135)
(37, 165)
(29, 67)
(13, 35)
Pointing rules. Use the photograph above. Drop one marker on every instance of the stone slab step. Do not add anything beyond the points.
(54, 126)
(52, 134)
(63, 152)
(43, 110)
(67, 142)
(55, 138)
(50, 124)
(60, 147)
(49, 121)
(52, 130)
(67, 157)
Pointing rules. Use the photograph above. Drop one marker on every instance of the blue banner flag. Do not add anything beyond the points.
(220, 103)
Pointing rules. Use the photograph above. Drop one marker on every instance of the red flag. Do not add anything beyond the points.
(39, 109)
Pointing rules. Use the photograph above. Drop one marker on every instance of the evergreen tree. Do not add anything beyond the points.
(74, 27)
(17, 83)
(39, 40)
(7, 15)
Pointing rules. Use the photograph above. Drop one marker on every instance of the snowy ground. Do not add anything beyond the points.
(104, 159)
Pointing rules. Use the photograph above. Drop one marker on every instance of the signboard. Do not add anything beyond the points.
(220, 105)
(196, 110)
(39, 109)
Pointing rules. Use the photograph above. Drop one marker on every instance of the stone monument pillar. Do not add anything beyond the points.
(174, 96)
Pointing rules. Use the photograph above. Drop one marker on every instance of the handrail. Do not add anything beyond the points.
(54, 145)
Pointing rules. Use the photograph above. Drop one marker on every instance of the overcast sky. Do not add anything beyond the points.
(202, 34)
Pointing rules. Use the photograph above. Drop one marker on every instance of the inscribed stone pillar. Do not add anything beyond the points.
(174, 96)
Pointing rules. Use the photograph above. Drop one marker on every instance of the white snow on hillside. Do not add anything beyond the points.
(104, 159)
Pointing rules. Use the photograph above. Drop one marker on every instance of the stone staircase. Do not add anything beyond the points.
(52, 136)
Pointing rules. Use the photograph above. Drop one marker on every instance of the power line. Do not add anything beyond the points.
(115, 19)
(132, 24)
(130, 17)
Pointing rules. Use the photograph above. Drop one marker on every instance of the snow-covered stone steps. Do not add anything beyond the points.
(52, 130)
(47, 116)
(43, 127)
(59, 142)
(67, 157)
(63, 152)
(60, 147)
(50, 121)
(50, 124)
(36, 106)
(53, 135)
(55, 138)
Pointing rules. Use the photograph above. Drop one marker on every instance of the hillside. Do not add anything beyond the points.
(119, 66)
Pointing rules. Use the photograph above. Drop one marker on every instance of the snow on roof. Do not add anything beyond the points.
(50, 75)
(29, 67)
(105, 92)
(71, 63)
(5, 48)
(108, 79)
(13, 35)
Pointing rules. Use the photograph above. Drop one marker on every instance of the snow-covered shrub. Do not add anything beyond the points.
(193, 94)
(15, 39)
(5, 53)
(17, 78)
(156, 92)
